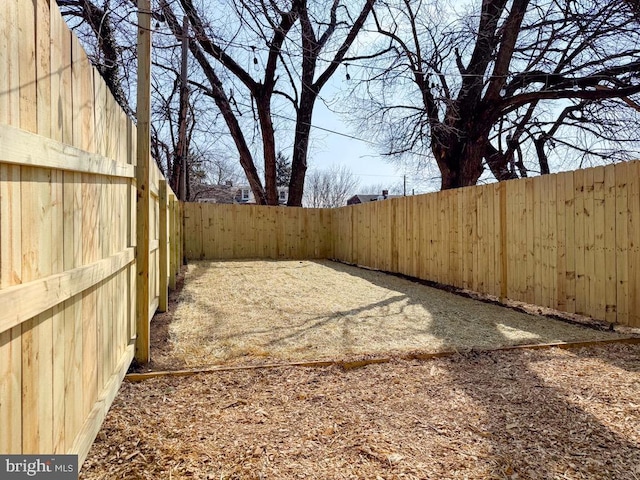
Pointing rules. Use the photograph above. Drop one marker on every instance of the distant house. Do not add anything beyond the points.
(244, 195)
(360, 198)
(228, 193)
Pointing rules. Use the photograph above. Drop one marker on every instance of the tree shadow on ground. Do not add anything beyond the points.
(405, 317)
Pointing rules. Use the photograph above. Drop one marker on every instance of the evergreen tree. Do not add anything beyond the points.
(283, 170)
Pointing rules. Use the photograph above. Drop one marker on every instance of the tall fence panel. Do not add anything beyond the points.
(451, 237)
(568, 241)
(67, 237)
(218, 231)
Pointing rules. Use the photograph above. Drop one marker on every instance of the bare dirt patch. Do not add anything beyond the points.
(546, 414)
(247, 312)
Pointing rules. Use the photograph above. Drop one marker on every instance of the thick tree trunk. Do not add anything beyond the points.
(462, 172)
(301, 147)
(268, 149)
(459, 161)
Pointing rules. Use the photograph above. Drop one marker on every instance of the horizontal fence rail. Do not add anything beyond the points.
(67, 237)
(568, 241)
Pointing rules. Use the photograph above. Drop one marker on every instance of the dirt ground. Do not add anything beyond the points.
(544, 414)
(247, 312)
(520, 414)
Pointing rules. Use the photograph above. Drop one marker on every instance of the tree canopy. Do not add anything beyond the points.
(498, 84)
(510, 87)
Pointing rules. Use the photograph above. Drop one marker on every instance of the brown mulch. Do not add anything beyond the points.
(545, 414)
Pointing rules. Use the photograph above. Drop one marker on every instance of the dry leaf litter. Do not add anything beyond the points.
(545, 414)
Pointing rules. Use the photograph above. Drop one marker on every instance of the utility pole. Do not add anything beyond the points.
(182, 115)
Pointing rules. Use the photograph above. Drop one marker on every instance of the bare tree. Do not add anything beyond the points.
(510, 79)
(291, 50)
(102, 28)
(221, 170)
(108, 33)
(330, 188)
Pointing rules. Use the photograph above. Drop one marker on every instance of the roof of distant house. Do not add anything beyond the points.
(214, 193)
(364, 198)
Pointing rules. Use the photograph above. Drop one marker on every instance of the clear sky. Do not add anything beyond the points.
(361, 157)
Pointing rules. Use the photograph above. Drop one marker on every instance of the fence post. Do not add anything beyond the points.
(142, 178)
(164, 245)
(173, 243)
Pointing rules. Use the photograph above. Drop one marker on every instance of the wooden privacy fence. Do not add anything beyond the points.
(569, 241)
(250, 231)
(67, 237)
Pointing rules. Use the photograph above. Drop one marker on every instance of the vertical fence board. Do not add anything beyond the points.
(597, 282)
(570, 241)
(540, 224)
(25, 29)
(520, 256)
(10, 340)
(502, 286)
(9, 59)
(580, 242)
(610, 273)
(37, 404)
(400, 238)
(633, 206)
(416, 252)
(446, 210)
(481, 253)
(43, 67)
(493, 240)
(561, 252)
(10, 236)
(530, 239)
(552, 238)
(427, 227)
(99, 113)
(438, 226)
(199, 231)
(589, 240)
(511, 227)
(432, 227)
(454, 239)
(90, 297)
(496, 242)
(58, 326)
(469, 232)
(164, 247)
(622, 246)
(461, 238)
